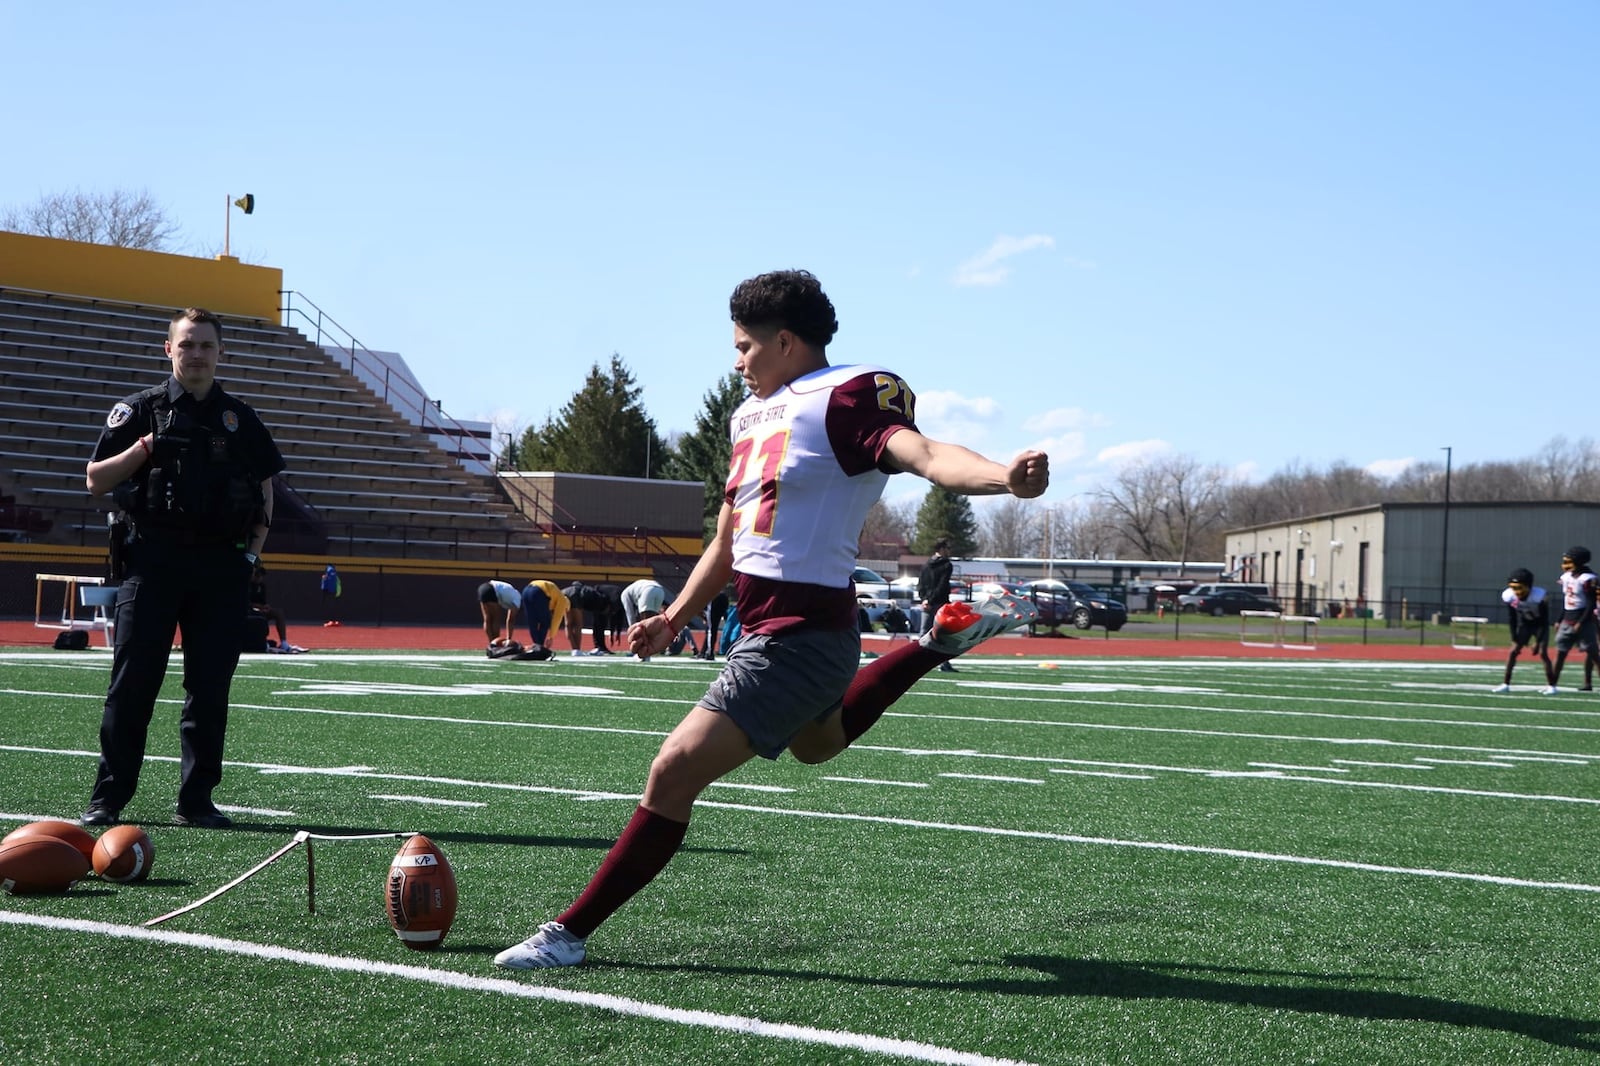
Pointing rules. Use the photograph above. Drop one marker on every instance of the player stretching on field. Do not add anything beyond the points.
(1577, 617)
(1530, 623)
(812, 449)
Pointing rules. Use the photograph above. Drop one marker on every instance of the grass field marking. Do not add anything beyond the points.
(749, 787)
(1409, 765)
(260, 812)
(996, 777)
(866, 1042)
(433, 800)
(1290, 766)
(876, 781)
(1155, 845)
(1204, 771)
(1543, 758)
(1380, 742)
(1090, 686)
(1103, 773)
(1123, 705)
(1500, 765)
(455, 719)
(1485, 793)
(59, 695)
(338, 687)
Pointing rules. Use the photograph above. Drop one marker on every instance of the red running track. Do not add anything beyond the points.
(465, 638)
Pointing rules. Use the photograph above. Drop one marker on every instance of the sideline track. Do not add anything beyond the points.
(1156, 644)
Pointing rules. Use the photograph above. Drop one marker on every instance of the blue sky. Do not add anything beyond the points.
(1251, 233)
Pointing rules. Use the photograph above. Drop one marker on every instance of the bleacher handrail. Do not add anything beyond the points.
(397, 391)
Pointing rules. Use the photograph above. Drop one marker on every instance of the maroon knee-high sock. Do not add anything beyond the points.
(881, 682)
(642, 851)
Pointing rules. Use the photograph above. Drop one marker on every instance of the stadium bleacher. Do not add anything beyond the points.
(360, 476)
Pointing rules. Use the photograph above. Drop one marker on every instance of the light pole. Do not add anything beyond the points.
(245, 203)
(1444, 546)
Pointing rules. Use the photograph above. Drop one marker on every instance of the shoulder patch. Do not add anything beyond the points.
(230, 421)
(119, 415)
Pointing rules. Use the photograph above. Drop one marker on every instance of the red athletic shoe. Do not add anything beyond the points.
(959, 626)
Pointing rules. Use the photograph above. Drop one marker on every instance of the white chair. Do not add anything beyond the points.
(102, 599)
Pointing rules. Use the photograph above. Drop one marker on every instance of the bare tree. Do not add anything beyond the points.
(886, 531)
(1011, 528)
(122, 218)
(1081, 531)
(1170, 507)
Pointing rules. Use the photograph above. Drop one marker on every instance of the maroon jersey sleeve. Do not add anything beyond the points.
(863, 413)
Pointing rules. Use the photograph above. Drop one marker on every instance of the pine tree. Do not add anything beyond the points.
(603, 429)
(703, 454)
(945, 514)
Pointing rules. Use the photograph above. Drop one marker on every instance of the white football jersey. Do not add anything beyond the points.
(804, 471)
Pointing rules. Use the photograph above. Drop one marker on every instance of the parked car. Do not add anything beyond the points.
(874, 594)
(1191, 597)
(1075, 603)
(1230, 601)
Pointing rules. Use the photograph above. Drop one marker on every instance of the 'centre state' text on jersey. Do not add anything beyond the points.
(805, 472)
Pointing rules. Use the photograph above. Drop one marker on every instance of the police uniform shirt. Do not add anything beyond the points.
(225, 439)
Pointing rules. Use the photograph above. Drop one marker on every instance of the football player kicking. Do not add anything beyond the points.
(813, 447)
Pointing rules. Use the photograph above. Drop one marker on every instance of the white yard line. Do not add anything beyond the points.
(701, 1019)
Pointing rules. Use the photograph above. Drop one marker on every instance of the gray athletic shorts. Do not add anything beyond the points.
(772, 687)
(1582, 635)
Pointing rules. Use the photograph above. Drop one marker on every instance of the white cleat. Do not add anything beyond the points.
(1501, 688)
(1551, 691)
(959, 626)
(550, 947)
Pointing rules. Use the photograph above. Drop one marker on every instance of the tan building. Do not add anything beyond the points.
(1410, 560)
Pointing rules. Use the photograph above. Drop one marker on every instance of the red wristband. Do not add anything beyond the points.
(145, 446)
(674, 630)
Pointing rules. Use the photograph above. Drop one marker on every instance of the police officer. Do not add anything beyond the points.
(190, 469)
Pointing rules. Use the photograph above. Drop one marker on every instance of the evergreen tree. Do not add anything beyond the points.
(945, 514)
(603, 429)
(703, 454)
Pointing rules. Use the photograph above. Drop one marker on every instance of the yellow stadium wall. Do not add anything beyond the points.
(99, 271)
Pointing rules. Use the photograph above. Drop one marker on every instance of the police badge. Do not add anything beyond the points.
(230, 421)
(119, 414)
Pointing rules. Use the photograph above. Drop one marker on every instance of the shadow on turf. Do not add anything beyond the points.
(511, 839)
(1182, 981)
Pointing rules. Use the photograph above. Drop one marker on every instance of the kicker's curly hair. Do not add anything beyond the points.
(786, 299)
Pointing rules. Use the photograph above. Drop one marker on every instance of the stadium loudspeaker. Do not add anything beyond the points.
(246, 203)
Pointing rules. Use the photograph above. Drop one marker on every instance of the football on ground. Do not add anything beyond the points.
(71, 832)
(40, 864)
(123, 853)
(421, 894)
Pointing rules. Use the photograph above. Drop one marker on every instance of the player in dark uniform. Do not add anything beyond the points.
(1577, 628)
(190, 469)
(601, 607)
(1529, 612)
(813, 448)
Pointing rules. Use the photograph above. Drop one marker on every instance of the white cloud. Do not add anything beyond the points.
(988, 267)
(1388, 468)
(1132, 451)
(1069, 418)
(946, 415)
(1062, 449)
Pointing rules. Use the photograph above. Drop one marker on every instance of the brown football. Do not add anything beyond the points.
(421, 894)
(40, 864)
(124, 853)
(71, 832)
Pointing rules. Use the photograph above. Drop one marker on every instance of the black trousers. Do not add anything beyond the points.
(170, 587)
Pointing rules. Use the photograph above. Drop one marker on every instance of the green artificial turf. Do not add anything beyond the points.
(1100, 862)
